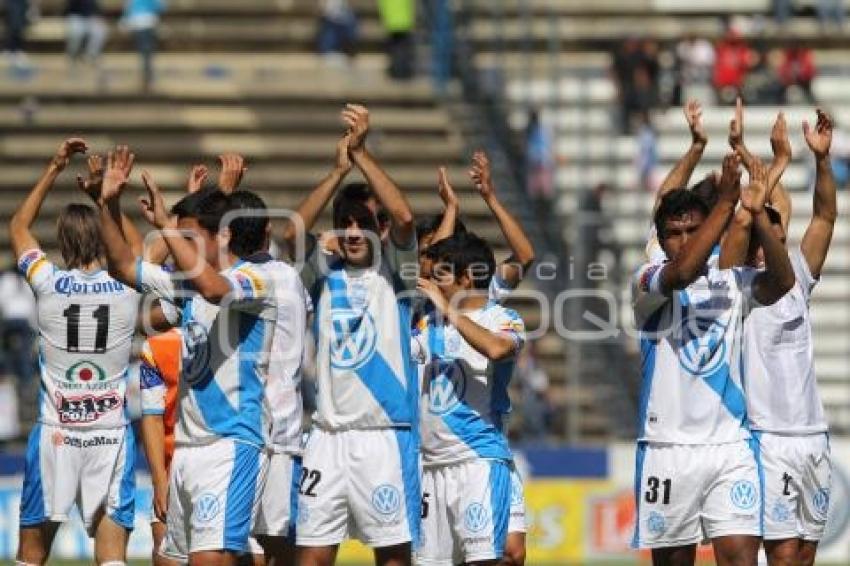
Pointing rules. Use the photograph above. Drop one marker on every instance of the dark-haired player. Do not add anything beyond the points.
(82, 449)
(696, 474)
(467, 346)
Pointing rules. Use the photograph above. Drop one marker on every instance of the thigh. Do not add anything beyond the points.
(668, 495)
(480, 513)
(384, 481)
(517, 523)
(815, 485)
(108, 479)
(437, 543)
(278, 502)
(732, 503)
(323, 511)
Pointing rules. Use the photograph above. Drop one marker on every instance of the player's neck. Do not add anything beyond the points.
(92, 267)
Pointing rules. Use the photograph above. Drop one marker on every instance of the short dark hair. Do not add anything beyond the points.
(430, 224)
(707, 191)
(463, 252)
(347, 209)
(80, 242)
(187, 207)
(248, 233)
(773, 215)
(677, 203)
(362, 193)
(211, 211)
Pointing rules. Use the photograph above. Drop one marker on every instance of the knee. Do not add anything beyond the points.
(806, 556)
(514, 556)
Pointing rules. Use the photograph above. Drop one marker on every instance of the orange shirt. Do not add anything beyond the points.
(162, 356)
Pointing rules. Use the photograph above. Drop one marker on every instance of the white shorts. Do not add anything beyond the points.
(94, 468)
(213, 492)
(517, 522)
(685, 494)
(278, 507)
(361, 484)
(466, 508)
(797, 478)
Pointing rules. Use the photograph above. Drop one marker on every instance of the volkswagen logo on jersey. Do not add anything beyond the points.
(476, 518)
(656, 523)
(386, 500)
(744, 494)
(447, 387)
(84, 372)
(207, 508)
(354, 339)
(703, 349)
(196, 352)
(821, 501)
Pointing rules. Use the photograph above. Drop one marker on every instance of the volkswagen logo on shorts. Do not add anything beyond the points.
(516, 490)
(207, 508)
(703, 349)
(656, 523)
(821, 501)
(386, 500)
(354, 338)
(476, 518)
(447, 386)
(744, 494)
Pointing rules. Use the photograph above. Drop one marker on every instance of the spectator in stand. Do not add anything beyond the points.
(534, 385)
(797, 70)
(85, 32)
(337, 37)
(782, 11)
(695, 61)
(398, 18)
(831, 12)
(733, 61)
(17, 18)
(17, 306)
(540, 161)
(646, 159)
(636, 70)
(141, 17)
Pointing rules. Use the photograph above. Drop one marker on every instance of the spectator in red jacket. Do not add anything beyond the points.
(798, 69)
(733, 60)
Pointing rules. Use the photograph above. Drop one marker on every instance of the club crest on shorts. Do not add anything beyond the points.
(476, 518)
(743, 494)
(656, 523)
(207, 508)
(386, 500)
(820, 500)
(703, 349)
(780, 512)
(303, 515)
(354, 339)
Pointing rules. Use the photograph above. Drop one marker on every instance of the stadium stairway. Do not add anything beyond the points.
(579, 104)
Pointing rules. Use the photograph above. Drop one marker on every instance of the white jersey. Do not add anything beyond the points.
(779, 365)
(86, 323)
(225, 354)
(283, 383)
(364, 373)
(464, 396)
(691, 390)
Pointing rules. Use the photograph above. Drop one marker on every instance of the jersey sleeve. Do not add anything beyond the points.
(509, 324)
(37, 269)
(802, 273)
(499, 289)
(745, 279)
(250, 285)
(403, 261)
(647, 296)
(153, 278)
(151, 383)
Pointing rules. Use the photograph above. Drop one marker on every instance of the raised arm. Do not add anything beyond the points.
(512, 269)
(451, 208)
(818, 236)
(781, 146)
(120, 259)
(311, 207)
(20, 226)
(232, 170)
(197, 177)
(736, 136)
(207, 281)
(681, 173)
(778, 276)
(403, 229)
(690, 261)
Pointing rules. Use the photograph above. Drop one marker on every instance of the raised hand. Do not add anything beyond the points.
(343, 160)
(729, 186)
(779, 141)
(356, 117)
(232, 170)
(755, 195)
(68, 148)
(119, 164)
(447, 192)
(432, 292)
(153, 207)
(481, 175)
(91, 186)
(736, 126)
(693, 115)
(819, 138)
(197, 177)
